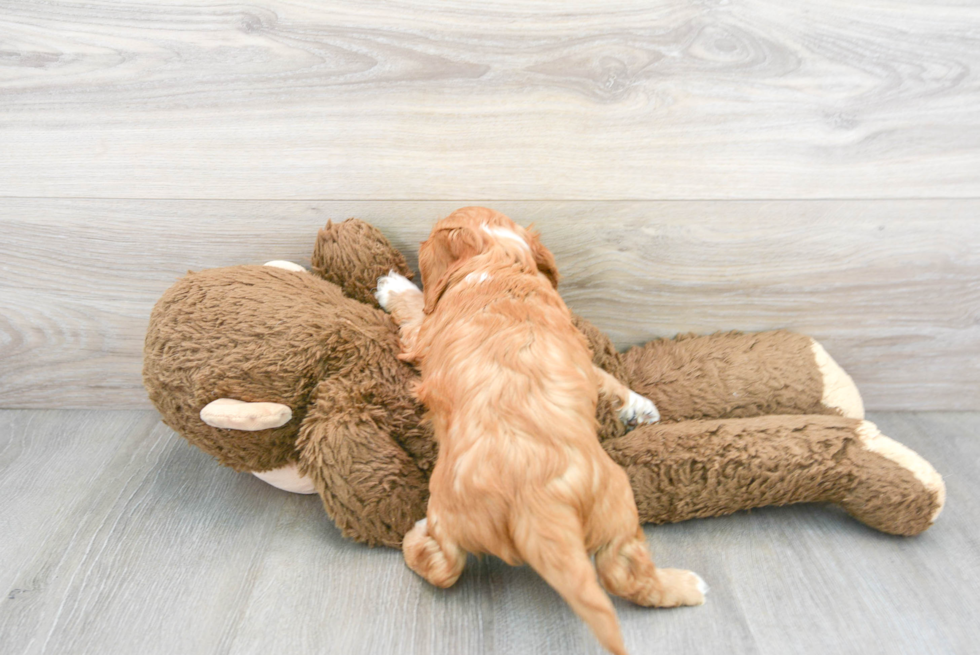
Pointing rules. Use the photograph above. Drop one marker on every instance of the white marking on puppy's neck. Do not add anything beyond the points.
(478, 277)
(504, 233)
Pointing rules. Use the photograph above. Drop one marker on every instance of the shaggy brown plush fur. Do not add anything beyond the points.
(731, 375)
(712, 467)
(355, 247)
(259, 333)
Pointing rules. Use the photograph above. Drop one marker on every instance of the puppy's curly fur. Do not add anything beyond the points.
(512, 393)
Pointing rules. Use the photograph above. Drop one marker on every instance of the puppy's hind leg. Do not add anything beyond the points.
(626, 570)
(436, 559)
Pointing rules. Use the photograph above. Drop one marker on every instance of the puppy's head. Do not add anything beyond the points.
(471, 232)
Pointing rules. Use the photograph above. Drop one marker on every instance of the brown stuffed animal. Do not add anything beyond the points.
(294, 376)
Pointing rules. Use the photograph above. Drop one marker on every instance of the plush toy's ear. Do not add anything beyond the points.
(440, 256)
(543, 258)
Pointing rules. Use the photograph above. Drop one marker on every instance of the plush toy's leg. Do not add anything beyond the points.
(372, 489)
(709, 468)
(735, 375)
(429, 553)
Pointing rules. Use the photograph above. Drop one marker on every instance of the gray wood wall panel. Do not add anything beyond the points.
(892, 288)
(289, 99)
(118, 537)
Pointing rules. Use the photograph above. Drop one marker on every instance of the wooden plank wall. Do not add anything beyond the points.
(694, 166)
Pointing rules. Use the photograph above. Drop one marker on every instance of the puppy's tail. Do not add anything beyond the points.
(556, 550)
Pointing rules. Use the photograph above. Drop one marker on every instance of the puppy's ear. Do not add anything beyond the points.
(440, 256)
(543, 258)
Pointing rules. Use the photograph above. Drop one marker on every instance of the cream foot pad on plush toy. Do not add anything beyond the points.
(287, 478)
(839, 390)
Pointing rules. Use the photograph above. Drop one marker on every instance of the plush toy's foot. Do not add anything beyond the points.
(231, 414)
(289, 266)
(287, 478)
(839, 391)
(888, 494)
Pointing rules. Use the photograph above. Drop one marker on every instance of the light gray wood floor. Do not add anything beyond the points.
(117, 537)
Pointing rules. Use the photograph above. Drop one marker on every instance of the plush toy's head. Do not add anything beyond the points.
(257, 334)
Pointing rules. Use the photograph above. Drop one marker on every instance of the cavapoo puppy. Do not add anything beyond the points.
(512, 393)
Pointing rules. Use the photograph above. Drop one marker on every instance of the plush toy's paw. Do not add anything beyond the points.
(390, 285)
(874, 441)
(231, 414)
(287, 478)
(638, 410)
(839, 391)
(289, 266)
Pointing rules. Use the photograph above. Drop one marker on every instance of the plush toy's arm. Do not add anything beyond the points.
(709, 468)
(353, 255)
(371, 488)
(736, 375)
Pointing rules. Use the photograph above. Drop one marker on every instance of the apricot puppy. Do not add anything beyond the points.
(512, 393)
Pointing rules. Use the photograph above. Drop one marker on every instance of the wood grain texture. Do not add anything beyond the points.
(118, 537)
(291, 99)
(892, 288)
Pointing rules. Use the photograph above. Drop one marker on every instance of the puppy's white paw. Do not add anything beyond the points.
(391, 284)
(679, 588)
(638, 410)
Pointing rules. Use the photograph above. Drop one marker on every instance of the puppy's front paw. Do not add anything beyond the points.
(391, 284)
(638, 410)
